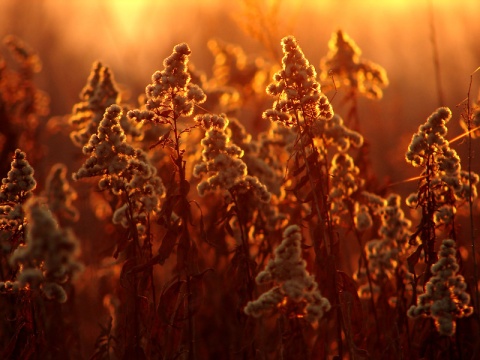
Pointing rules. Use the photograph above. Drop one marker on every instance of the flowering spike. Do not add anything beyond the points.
(60, 194)
(445, 298)
(19, 183)
(122, 168)
(222, 161)
(343, 61)
(296, 89)
(171, 93)
(48, 257)
(292, 281)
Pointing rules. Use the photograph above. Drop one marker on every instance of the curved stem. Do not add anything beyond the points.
(245, 248)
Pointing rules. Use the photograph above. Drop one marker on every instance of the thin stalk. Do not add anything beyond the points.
(34, 326)
(136, 243)
(470, 200)
(246, 251)
(316, 246)
(152, 282)
(428, 231)
(369, 276)
(184, 214)
(315, 197)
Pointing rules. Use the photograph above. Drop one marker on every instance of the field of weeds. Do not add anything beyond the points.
(264, 189)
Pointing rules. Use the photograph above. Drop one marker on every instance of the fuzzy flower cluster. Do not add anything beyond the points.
(429, 149)
(258, 164)
(98, 94)
(60, 194)
(344, 182)
(220, 98)
(171, 93)
(276, 145)
(15, 189)
(343, 61)
(48, 258)
(384, 254)
(232, 66)
(287, 270)
(123, 169)
(430, 140)
(19, 183)
(23, 54)
(445, 298)
(222, 163)
(334, 132)
(296, 89)
(362, 219)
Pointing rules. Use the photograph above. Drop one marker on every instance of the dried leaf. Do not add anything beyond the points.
(165, 113)
(126, 274)
(171, 309)
(168, 243)
(298, 170)
(412, 260)
(228, 228)
(301, 183)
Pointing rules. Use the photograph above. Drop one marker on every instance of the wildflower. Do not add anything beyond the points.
(232, 66)
(255, 160)
(384, 254)
(19, 183)
(60, 194)
(222, 161)
(363, 220)
(445, 298)
(445, 215)
(292, 281)
(23, 54)
(98, 94)
(334, 132)
(344, 183)
(122, 169)
(171, 93)
(296, 89)
(442, 169)
(344, 62)
(15, 189)
(22, 104)
(429, 140)
(48, 258)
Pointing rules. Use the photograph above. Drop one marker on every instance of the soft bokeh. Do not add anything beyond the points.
(132, 37)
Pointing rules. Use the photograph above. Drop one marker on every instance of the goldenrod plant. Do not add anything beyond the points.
(232, 211)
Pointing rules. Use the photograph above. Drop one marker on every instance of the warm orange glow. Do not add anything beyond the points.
(463, 135)
(174, 278)
(407, 180)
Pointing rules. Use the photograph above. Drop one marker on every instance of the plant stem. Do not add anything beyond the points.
(331, 263)
(185, 241)
(367, 269)
(470, 200)
(136, 243)
(245, 247)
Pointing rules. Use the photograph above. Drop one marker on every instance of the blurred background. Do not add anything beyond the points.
(133, 38)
